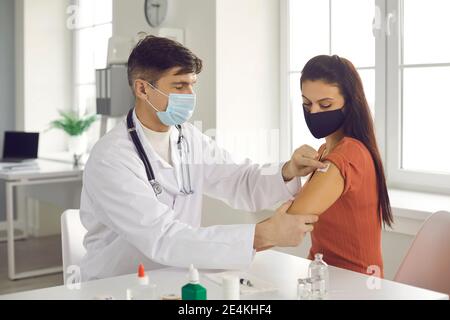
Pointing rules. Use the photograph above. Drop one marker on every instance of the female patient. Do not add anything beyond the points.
(351, 196)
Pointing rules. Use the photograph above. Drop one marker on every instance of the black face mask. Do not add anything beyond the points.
(322, 124)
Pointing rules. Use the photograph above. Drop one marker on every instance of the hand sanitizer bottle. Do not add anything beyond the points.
(193, 290)
(143, 290)
(318, 273)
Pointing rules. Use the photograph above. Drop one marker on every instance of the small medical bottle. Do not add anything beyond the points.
(318, 273)
(231, 287)
(143, 290)
(193, 290)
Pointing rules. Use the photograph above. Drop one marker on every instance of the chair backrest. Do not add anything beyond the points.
(427, 263)
(72, 235)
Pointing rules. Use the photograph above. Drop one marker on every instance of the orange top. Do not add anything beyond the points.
(349, 232)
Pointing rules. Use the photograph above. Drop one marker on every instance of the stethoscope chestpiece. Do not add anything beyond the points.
(156, 187)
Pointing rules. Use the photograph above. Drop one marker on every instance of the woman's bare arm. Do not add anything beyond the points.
(323, 189)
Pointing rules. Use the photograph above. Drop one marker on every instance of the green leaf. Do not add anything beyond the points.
(72, 124)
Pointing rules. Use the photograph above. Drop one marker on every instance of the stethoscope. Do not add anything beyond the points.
(186, 187)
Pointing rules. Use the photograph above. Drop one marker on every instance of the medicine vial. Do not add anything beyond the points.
(319, 276)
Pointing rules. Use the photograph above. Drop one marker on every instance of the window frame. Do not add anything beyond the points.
(75, 45)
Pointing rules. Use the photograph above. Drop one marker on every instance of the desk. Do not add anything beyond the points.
(47, 173)
(280, 269)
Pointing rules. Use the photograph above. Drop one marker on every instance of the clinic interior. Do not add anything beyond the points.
(248, 98)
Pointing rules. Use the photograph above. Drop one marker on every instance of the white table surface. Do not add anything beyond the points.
(280, 269)
(45, 169)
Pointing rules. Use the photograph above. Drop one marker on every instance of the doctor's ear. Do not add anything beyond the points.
(140, 88)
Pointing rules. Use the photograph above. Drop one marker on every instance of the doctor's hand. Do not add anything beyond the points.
(303, 162)
(282, 229)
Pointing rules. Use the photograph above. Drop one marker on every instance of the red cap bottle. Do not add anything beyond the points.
(142, 277)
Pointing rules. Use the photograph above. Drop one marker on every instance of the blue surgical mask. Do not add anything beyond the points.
(179, 109)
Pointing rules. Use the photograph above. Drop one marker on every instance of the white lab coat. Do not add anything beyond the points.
(128, 224)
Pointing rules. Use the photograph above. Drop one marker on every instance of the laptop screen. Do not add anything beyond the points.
(21, 145)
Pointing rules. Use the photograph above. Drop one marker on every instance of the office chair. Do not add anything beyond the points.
(427, 263)
(72, 235)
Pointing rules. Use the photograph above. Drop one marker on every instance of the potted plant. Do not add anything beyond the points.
(75, 126)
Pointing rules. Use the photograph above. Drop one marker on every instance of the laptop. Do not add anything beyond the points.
(20, 146)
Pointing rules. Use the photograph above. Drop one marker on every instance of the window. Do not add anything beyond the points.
(418, 78)
(92, 30)
(405, 73)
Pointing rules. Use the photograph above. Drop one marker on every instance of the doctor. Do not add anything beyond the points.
(144, 182)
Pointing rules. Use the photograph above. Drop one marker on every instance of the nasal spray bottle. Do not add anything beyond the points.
(193, 290)
(143, 290)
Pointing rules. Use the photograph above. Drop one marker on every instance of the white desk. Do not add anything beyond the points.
(280, 269)
(48, 172)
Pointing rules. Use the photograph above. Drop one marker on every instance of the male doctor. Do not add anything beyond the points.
(144, 182)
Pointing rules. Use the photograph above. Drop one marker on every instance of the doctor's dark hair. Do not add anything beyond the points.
(358, 123)
(153, 56)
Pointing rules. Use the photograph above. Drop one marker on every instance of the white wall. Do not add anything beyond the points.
(247, 102)
(197, 18)
(43, 68)
(248, 71)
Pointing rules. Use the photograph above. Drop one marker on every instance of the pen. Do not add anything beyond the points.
(246, 282)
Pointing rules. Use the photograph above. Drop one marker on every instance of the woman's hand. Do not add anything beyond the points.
(303, 162)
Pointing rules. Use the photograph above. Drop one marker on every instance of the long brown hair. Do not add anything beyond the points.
(358, 123)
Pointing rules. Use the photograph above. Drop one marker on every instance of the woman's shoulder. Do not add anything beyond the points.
(352, 150)
(353, 160)
(348, 143)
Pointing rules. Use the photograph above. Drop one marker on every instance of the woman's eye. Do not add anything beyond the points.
(307, 105)
(325, 106)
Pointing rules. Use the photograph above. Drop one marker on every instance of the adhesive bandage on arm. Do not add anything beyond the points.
(324, 169)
